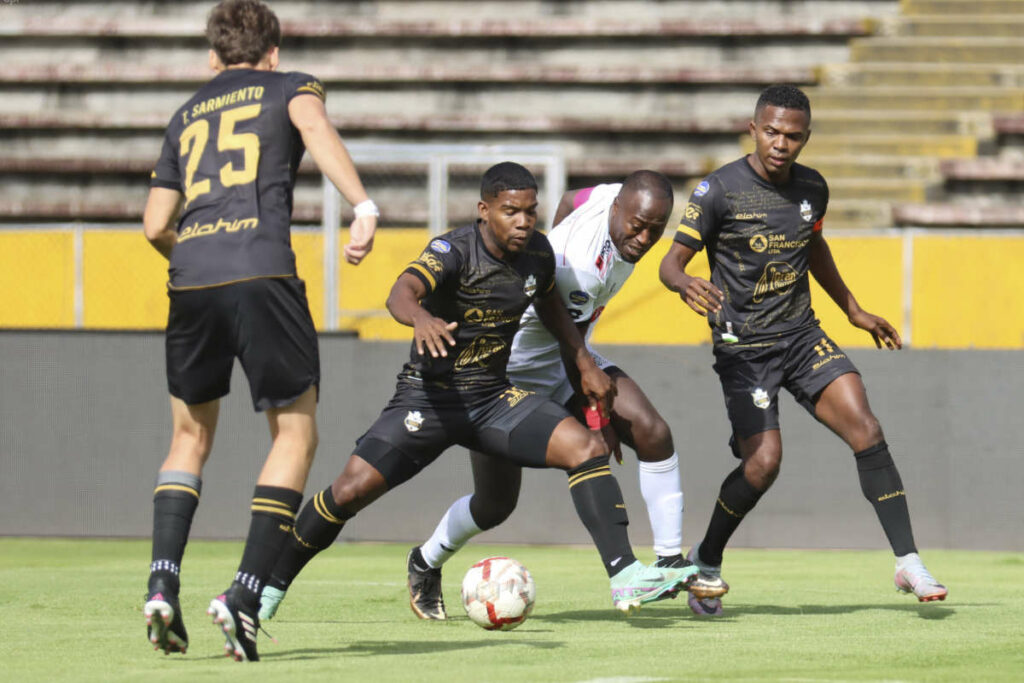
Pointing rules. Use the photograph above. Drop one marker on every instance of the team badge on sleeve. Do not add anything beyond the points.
(530, 286)
(440, 246)
(701, 189)
(806, 212)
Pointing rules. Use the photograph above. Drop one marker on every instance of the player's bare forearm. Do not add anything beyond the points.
(823, 268)
(159, 217)
(431, 334)
(565, 207)
(308, 115)
(699, 294)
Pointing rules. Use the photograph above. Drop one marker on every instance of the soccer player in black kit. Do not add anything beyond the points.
(464, 297)
(220, 210)
(761, 219)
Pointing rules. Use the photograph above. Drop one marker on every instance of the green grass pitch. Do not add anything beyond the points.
(72, 610)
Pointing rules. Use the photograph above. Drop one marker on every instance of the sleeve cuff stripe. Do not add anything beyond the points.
(426, 274)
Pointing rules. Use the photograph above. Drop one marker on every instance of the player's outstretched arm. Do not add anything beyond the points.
(429, 332)
(593, 382)
(699, 294)
(158, 219)
(308, 115)
(823, 268)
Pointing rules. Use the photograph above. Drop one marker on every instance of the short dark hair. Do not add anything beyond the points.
(648, 181)
(508, 175)
(242, 31)
(785, 96)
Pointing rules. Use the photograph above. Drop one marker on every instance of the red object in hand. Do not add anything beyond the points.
(596, 419)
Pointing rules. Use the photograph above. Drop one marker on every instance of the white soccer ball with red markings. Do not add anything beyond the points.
(498, 593)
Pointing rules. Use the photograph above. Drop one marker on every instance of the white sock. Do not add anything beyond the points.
(452, 532)
(660, 487)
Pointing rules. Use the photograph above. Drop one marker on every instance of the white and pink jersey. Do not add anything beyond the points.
(588, 272)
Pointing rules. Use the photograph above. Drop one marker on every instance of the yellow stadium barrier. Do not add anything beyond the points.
(950, 291)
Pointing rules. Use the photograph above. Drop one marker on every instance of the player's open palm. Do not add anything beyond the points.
(880, 328)
(433, 334)
(360, 238)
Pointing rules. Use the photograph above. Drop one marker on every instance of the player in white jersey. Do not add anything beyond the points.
(599, 234)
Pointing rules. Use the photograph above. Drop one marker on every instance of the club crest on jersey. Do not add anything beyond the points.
(530, 286)
(701, 189)
(761, 399)
(578, 297)
(440, 246)
(413, 421)
(806, 212)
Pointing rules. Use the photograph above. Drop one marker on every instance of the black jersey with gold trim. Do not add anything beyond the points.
(757, 235)
(233, 153)
(486, 296)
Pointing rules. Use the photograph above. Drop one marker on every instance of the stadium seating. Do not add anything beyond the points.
(88, 87)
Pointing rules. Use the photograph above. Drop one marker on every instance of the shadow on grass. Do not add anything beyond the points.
(372, 648)
(655, 618)
(924, 611)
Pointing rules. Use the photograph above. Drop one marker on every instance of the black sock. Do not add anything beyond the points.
(175, 500)
(598, 501)
(882, 486)
(273, 516)
(736, 498)
(319, 523)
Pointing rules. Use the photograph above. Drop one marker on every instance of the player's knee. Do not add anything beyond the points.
(866, 433)
(762, 467)
(192, 443)
(653, 438)
(593, 447)
(353, 493)
(492, 511)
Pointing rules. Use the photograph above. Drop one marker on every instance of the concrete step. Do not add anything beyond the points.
(891, 122)
(852, 214)
(467, 26)
(994, 169)
(950, 26)
(117, 74)
(887, 189)
(644, 102)
(941, 50)
(594, 52)
(950, 215)
(419, 10)
(925, 169)
(938, 146)
(965, 7)
(867, 74)
(921, 98)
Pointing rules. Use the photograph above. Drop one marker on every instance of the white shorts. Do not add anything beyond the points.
(558, 389)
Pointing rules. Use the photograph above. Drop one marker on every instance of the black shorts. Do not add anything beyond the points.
(804, 363)
(419, 423)
(264, 322)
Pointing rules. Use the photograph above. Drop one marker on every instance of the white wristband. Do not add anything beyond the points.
(366, 208)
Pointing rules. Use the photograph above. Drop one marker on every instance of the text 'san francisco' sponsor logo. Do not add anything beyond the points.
(806, 212)
(413, 421)
(761, 399)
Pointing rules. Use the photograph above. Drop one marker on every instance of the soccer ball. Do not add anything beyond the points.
(498, 593)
